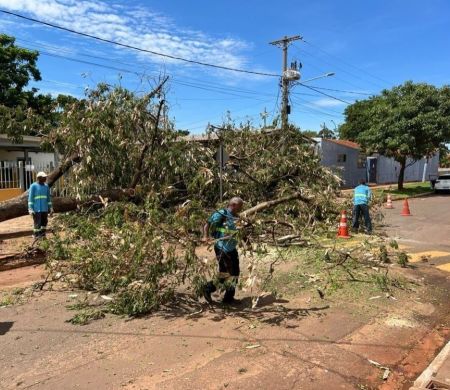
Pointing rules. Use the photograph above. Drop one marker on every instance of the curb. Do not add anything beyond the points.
(422, 195)
(437, 373)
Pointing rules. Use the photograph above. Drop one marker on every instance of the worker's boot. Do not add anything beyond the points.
(228, 298)
(208, 289)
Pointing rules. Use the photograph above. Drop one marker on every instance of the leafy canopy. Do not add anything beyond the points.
(408, 121)
(18, 66)
(23, 111)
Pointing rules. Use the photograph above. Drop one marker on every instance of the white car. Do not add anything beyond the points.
(442, 183)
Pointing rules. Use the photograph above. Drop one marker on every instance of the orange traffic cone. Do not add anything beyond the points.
(343, 228)
(389, 204)
(405, 211)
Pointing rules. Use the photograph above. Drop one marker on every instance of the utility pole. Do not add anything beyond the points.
(285, 109)
(264, 116)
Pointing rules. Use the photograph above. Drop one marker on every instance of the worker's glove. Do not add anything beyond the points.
(30, 211)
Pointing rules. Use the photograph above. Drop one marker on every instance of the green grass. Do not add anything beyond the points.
(410, 189)
(354, 283)
(86, 316)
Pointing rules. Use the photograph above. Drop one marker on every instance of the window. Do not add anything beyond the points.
(362, 159)
(341, 158)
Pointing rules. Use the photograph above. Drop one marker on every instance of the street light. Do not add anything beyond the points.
(329, 74)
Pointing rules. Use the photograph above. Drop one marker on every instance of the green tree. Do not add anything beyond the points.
(24, 111)
(408, 121)
(17, 68)
(325, 132)
(310, 133)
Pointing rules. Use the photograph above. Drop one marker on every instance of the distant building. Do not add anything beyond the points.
(344, 158)
(351, 164)
(19, 164)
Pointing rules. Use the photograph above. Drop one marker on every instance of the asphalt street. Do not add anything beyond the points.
(426, 232)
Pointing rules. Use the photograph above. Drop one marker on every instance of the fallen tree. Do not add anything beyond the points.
(91, 146)
(140, 249)
(18, 206)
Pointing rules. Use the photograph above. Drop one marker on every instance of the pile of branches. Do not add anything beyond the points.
(142, 192)
(127, 252)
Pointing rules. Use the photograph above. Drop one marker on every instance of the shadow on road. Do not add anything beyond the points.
(269, 310)
(5, 327)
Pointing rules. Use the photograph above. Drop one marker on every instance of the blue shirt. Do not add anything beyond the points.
(39, 198)
(361, 195)
(222, 225)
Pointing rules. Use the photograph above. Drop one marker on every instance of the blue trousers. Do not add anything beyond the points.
(358, 210)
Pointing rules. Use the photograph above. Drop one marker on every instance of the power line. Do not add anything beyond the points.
(138, 48)
(213, 87)
(347, 63)
(339, 77)
(204, 120)
(342, 69)
(144, 73)
(325, 94)
(315, 111)
(59, 50)
(213, 90)
(309, 109)
(205, 86)
(314, 105)
(343, 91)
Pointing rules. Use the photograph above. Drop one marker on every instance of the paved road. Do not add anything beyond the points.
(426, 232)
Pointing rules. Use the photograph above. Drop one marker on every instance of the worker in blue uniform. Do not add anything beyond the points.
(221, 226)
(40, 204)
(361, 199)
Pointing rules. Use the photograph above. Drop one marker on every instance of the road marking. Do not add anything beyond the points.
(444, 267)
(417, 257)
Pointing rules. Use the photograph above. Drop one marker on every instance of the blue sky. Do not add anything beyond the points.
(370, 45)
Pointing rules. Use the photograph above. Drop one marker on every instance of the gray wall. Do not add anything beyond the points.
(348, 171)
(388, 169)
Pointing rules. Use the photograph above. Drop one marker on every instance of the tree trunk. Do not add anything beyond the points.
(17, 207)
(401, 175)
(63, 168)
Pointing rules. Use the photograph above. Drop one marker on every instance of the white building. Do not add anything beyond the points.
(19, 164)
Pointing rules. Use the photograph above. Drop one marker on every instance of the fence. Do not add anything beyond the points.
(16, 177)
(19, 175)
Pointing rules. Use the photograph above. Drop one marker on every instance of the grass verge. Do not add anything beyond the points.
(410, 189)
(315, 272)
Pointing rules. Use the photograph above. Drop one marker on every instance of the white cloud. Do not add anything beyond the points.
(327, 102)
(135, 26)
